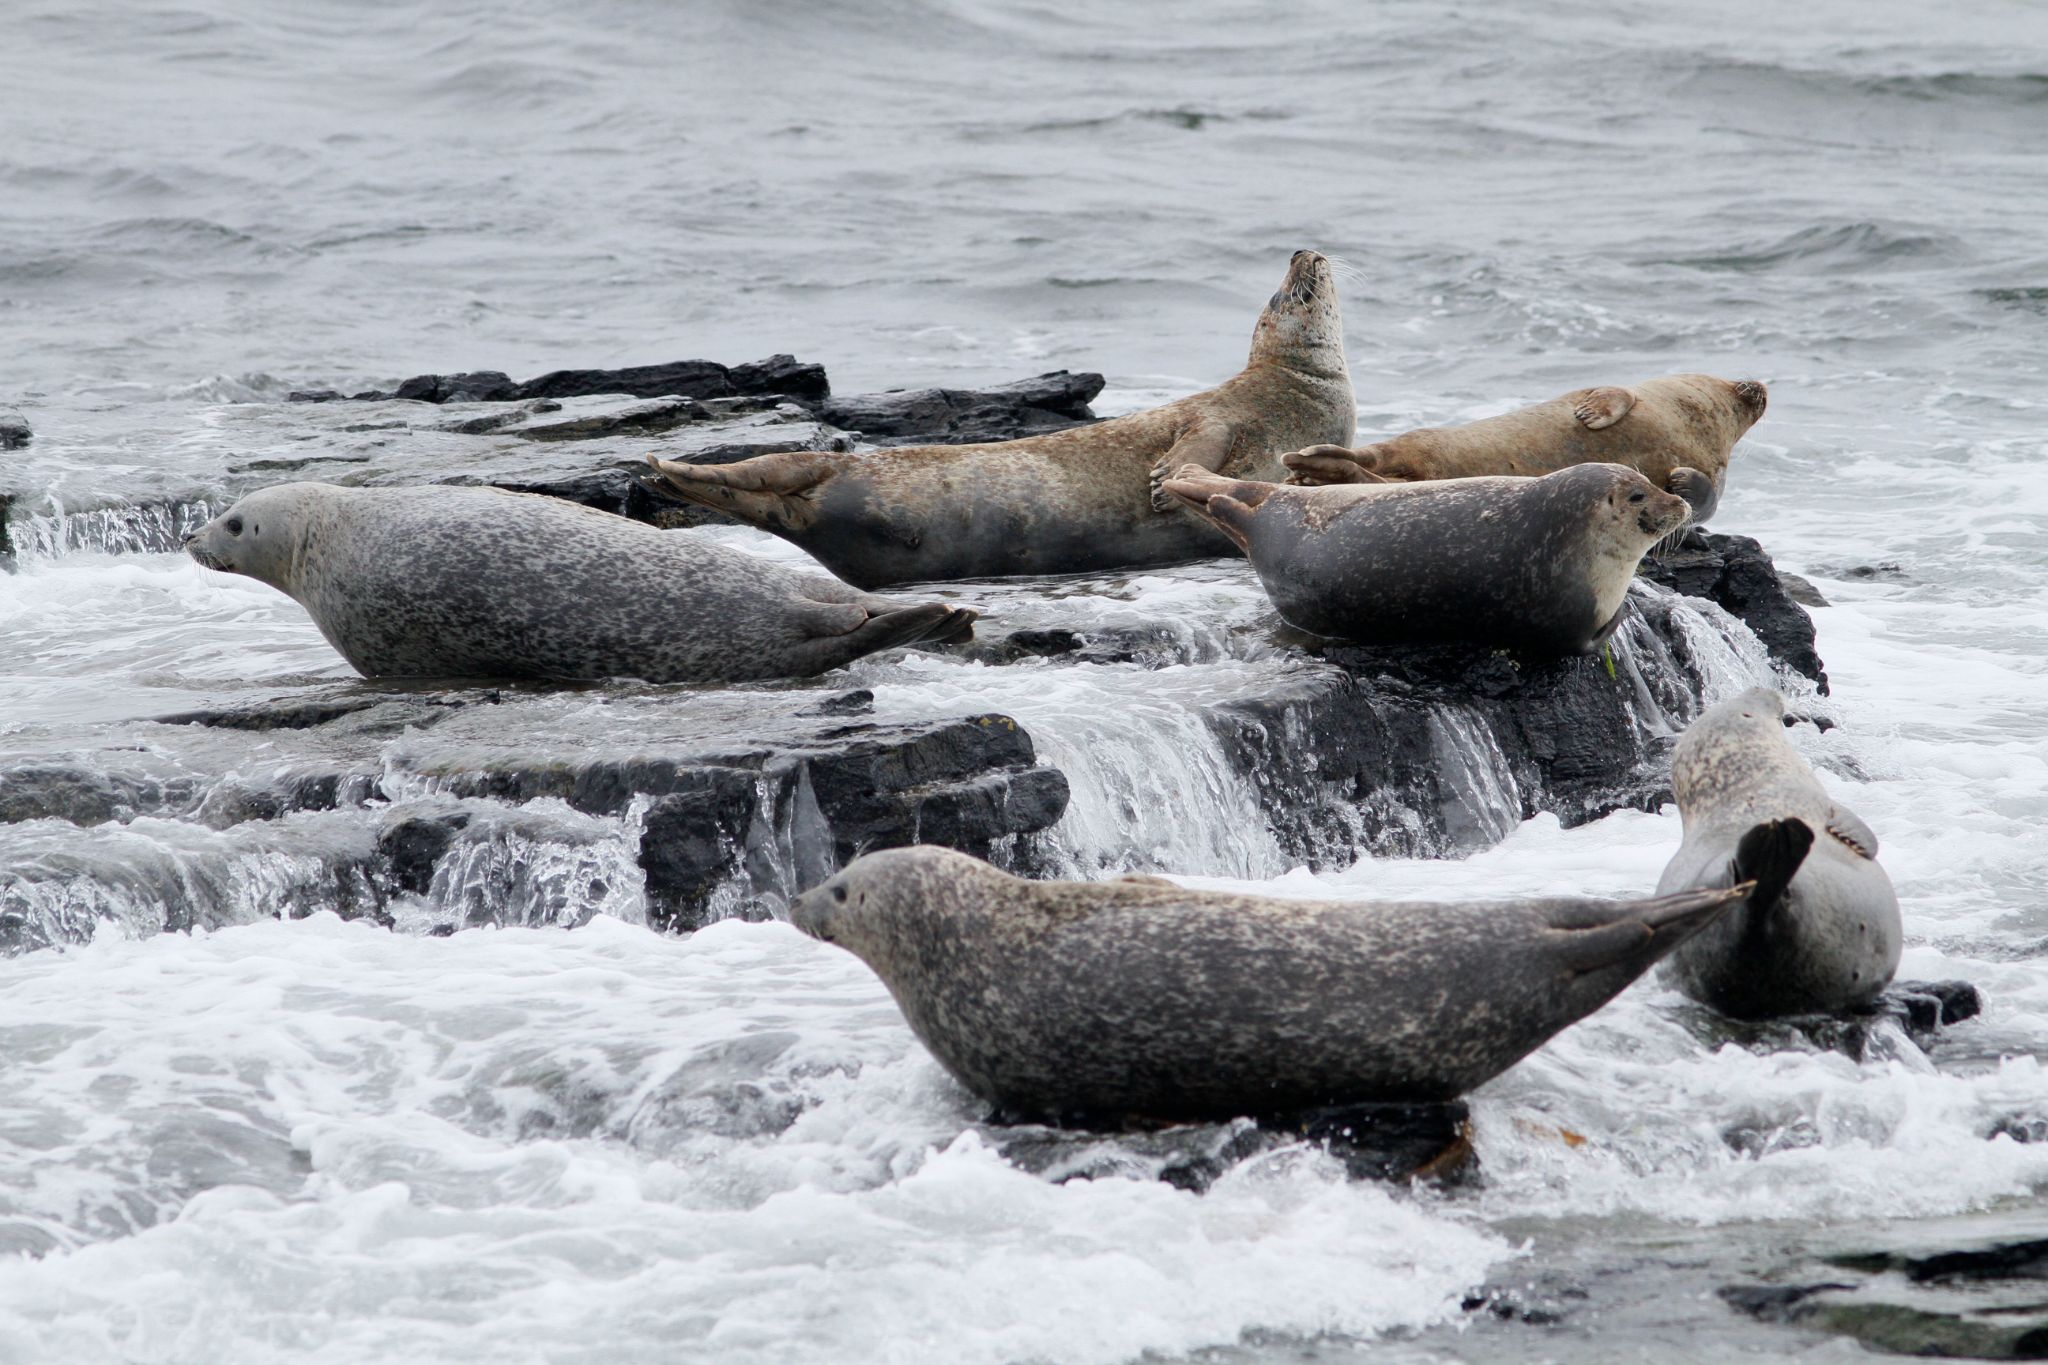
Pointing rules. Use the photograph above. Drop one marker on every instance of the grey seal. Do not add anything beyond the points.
(1540, 565)
(1678, 430)
(1073, 501)
(1830, 939)
(480, 582)
(1101, 1002)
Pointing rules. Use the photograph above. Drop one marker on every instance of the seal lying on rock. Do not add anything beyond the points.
(1535, 564)
(1108, 1001)
(1819, 941)
(1068, 502)
(1678, 431)
(479, 582)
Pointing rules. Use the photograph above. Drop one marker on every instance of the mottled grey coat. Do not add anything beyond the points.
(1138, 998)
(1537, 564)
(1832, 940)
(479, 582)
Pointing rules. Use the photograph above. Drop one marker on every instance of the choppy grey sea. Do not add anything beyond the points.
(312, 1140)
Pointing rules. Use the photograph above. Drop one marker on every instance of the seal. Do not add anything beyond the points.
(1087, 498)
(1679, 431)
(1103, 1002)
(480, 582)
(1539, 565)
(1821, 934)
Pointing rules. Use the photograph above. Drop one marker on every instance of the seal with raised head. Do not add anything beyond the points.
(1072, 501)
(1541, 565)
(480, 582)
(1139, 999)
(1824, 935)
(1678, 431)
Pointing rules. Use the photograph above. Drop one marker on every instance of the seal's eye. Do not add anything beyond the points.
(839, 894)
(234, 526)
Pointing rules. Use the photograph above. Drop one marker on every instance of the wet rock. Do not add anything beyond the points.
(1802, 590)
(1735, 572)
(1004, 412)
(1918, 1009)
(1980, 1303)
(413, 843)
(661, 415)
(1389, 1142)
(504, 417)
(14, 431)
(85, 794)
(7, 560)
(395, 709)
(778, 374)
(1154, 646)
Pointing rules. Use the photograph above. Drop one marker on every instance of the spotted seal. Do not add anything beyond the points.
(1540, 565)
(1678, 430)
(480, 582)
(1086, 498)
(1820, 939)
(1100, 1002)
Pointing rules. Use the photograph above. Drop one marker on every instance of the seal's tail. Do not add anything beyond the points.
(1769, 856)
(774, 492)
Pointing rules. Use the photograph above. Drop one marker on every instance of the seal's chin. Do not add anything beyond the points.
(1307, 274)
(207, 559)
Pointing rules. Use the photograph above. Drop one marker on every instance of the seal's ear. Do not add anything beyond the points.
(1598, 409)
(1770, 855)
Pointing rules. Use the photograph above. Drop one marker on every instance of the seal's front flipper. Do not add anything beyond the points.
(919, 623)
(1598, 409)
(1769, 855)
(1848, 828)
(774, 492)
(1698, 489)
(1206, 445)
(1320, 465)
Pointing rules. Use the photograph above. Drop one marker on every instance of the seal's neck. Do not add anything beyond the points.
(1314, 349)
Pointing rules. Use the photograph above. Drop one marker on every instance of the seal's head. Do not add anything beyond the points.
(1636, 513)
(887, 908)
(1729, 747)
(1302, 328)
(1721, 410)
(261, 536)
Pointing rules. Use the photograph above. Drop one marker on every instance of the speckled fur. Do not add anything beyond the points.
(1833, 940)
(1541, 565)
(1068, 502)
(478, 582)
(1141, 999)
(1678, 422)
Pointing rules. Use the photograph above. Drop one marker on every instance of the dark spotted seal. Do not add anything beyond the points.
(1678, 431)
(1138, 999)
(478, 582)
(1820, 940)
(1072, 501)
(1541, 565)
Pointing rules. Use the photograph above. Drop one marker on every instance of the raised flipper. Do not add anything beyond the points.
(1598, 409)
(1206, 445)
(1228, 504)
(1848, 828)
(774, 492)
(1624, 938)
(1768, 856)
(1320, 465)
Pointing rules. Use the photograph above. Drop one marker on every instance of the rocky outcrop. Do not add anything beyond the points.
(1734, 572)
(14, 431)
(1004, 412)
(779, 374)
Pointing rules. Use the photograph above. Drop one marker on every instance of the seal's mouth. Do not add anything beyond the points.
(1307, 273)
(207, 559)
(1753, 396)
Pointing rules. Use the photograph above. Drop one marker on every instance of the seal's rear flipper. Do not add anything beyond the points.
(1770, 855)
(1321, 465)
(773, 492)
(1227, 503)
(924, 623)
(1628, 936)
